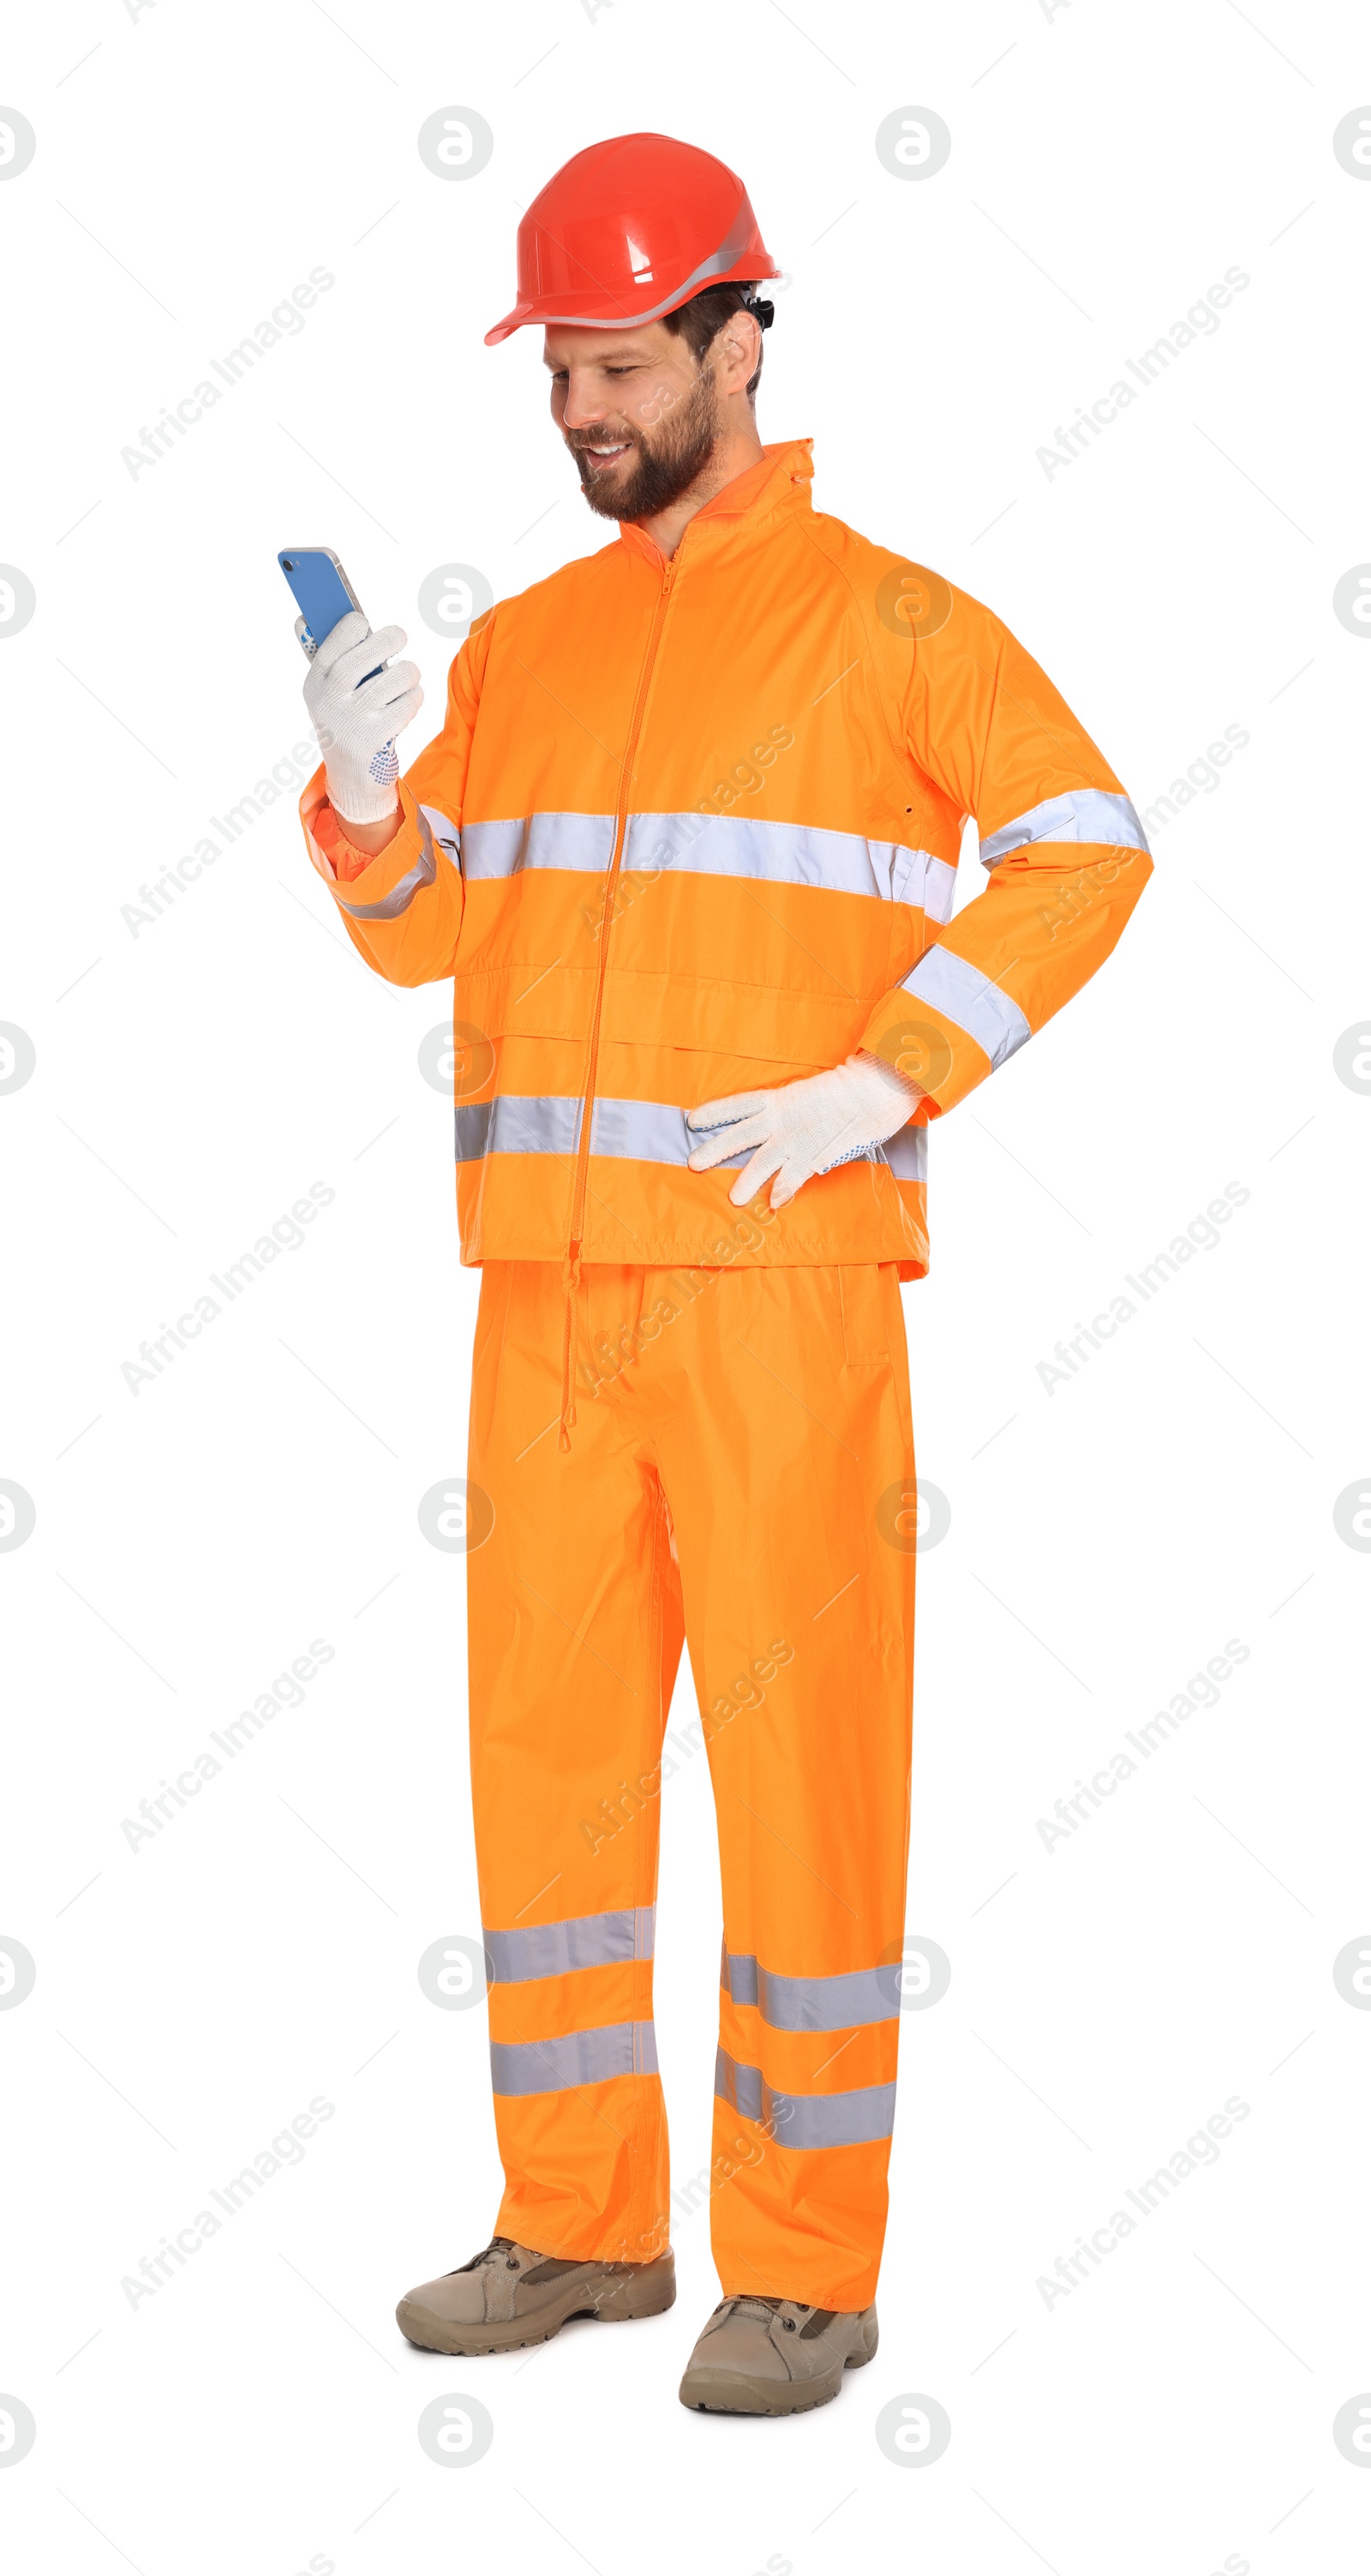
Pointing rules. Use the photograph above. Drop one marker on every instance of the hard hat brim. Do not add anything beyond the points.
(618, 314)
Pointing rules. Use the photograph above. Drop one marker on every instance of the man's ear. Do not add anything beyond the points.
(740, 346)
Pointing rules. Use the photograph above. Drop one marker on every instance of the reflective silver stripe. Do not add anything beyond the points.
(970, 1001)
(646, 1131)
(582, 2057)
(812, 2003)
(713, 845)
(641, 1131)
(907, 1153)
(742, 845)
(445, 833)
(638, 1131)
(401, 896)
(583, 1941)
(806, 2119)
(1086, 814)
(515, 1125)
(504, 849)
(918, 878)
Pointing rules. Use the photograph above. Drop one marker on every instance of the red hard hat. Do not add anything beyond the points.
(629, 229)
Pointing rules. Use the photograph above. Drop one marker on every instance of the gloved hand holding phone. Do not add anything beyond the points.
(356, 705)
(356, 719)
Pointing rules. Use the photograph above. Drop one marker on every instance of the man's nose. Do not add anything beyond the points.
(584, 409)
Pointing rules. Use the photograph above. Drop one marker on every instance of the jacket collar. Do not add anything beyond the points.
(780, 481)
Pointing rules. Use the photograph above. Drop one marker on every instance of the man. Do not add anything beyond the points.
(687, 845)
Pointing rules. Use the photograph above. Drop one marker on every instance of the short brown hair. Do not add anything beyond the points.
(700, 321)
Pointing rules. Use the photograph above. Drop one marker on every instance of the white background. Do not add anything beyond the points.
(1107, 1538)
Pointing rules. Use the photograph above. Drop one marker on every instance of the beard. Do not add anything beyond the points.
(663, 467)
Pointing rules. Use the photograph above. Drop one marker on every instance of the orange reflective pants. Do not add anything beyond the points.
(740, 1472)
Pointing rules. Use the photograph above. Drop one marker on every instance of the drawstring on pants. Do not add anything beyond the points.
(571, 1280)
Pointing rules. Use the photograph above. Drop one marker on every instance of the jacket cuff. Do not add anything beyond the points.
(371, 889)
(344, 858)
(946, 1027)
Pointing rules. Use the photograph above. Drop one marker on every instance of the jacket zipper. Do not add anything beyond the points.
(578, 1195)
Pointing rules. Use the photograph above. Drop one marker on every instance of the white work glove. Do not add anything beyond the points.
(804, 1128)
(356, 727)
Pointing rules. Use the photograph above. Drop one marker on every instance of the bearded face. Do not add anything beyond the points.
(631, 471)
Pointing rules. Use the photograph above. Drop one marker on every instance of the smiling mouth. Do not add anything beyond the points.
(605, 455)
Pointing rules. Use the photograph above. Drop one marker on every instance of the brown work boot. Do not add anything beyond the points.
(774, 2357)
(509, 2296)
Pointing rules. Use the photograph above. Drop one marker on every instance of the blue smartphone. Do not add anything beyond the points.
(322, 593)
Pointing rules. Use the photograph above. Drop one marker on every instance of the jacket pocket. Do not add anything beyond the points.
(865, 1308)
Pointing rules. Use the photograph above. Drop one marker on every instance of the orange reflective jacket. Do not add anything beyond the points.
(691, 828)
